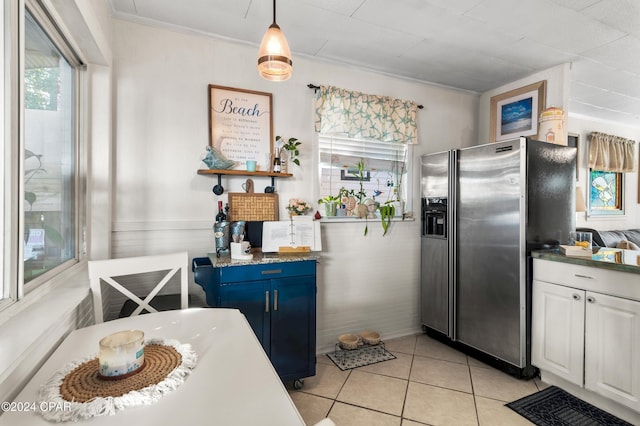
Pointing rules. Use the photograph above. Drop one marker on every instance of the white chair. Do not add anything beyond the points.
(106, 270)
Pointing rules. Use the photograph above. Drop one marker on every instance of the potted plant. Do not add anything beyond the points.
(330, 203)
(290, 147)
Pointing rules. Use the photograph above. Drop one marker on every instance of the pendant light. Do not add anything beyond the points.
(274, 57)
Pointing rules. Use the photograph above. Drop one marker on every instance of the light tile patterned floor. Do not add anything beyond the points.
(429, 383)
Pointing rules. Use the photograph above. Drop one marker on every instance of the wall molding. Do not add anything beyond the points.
(165, 225)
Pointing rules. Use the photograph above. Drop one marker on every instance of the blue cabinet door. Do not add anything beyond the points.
(293, 326)
(253, 299)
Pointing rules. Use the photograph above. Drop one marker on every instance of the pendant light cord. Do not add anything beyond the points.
(274, 12)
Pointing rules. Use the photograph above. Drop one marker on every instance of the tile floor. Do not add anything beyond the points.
(428, 383)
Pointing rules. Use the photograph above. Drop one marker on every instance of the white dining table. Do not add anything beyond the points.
(233, 382)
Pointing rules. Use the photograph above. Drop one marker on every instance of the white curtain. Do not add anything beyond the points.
(611, 153)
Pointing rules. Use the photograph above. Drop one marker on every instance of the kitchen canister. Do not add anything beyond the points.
(550, 128)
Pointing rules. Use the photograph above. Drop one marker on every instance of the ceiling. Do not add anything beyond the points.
(473, 45)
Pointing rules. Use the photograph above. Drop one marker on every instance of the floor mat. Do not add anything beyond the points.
(553, 406)
(346, 360)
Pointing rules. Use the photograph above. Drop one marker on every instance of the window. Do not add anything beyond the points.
(45, 141)
(605, 193)
(384, 170)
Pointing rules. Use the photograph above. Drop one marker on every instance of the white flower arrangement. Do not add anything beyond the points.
(298, 207)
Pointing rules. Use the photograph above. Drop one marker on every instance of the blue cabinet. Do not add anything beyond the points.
(278, 300)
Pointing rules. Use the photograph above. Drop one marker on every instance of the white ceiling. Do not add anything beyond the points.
(474, 45)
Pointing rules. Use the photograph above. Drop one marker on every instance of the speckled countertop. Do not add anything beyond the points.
(603, 258)
(260, 258)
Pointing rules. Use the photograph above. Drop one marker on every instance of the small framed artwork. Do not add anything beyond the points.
(241, 125)
(573, 139)
(515, 113)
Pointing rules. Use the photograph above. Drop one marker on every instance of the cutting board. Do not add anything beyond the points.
(251, 206)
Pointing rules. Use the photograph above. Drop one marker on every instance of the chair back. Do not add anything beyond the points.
(105, 270)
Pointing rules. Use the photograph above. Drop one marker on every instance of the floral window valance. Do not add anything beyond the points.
(364, 116)
(611, 153)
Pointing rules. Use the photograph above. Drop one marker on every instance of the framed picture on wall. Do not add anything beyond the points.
(241, 125)
(515, 113)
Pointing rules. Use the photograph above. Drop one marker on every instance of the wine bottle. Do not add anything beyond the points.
(277, 165)
(220, 217)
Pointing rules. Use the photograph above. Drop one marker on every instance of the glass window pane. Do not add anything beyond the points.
(384, 167)
(605, 193)
(49, 154)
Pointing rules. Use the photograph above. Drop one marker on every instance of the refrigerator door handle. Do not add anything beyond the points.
(453, 236)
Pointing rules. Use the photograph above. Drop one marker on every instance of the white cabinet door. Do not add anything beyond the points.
(612, 348)
(557, 328)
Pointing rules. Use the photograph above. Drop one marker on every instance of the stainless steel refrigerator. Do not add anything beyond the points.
(496, 202)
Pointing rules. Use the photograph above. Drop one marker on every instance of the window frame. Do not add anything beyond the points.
(619, 209)
(14, 118)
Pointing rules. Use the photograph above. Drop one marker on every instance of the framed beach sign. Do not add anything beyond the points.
(515, 113)
(241, 125)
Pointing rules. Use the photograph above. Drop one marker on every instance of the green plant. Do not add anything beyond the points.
(291, 145)
(387, 211)
(343, 194)
(329, 199)
(360, 175)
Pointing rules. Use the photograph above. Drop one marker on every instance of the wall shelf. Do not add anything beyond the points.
(219, 190)
(241, 173)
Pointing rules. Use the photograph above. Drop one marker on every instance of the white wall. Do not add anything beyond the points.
(583, 126)
(161, 204)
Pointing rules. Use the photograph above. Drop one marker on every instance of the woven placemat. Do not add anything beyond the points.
(77, 387)
(84, 383)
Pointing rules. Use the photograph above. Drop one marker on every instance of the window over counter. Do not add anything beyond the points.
(41, 165)
(383, 164)
(364, 144)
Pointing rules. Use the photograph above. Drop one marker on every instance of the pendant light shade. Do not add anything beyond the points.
(274, 57)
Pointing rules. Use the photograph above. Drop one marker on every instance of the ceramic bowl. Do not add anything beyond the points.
(348, 341)
(370, 337)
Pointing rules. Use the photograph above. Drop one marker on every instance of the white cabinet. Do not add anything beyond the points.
(558, 330)
(586, 337)
(612, 348)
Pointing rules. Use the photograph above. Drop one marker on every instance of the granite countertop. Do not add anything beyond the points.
(602, 257)
(260, 258)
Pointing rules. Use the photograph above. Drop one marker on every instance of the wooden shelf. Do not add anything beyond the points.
(241, 173)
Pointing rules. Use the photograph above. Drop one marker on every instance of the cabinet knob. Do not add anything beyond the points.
(591, 299)
(576, 296)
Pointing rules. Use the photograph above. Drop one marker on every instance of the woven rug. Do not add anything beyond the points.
(555, 407)
(78, 388)
(346, 360)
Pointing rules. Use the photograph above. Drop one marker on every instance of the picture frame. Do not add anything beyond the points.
(573, 139)
(515, 113)
(241, 125)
